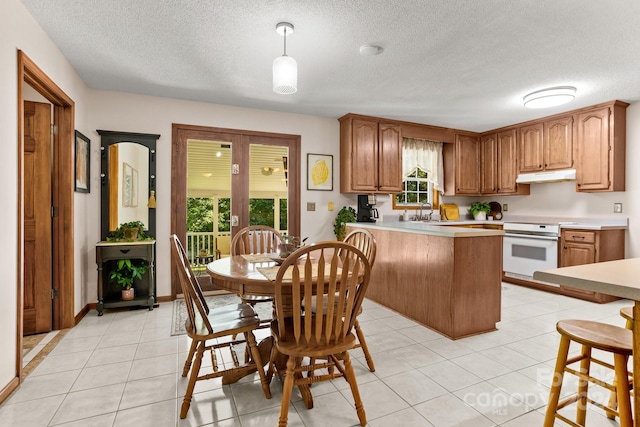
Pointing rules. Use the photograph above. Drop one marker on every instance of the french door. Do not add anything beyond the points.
(246, 177)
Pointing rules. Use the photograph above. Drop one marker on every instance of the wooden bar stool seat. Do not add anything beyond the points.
(590, 335)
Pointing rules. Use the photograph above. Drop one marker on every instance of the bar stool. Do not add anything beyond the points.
(627, 313)
(590, 335)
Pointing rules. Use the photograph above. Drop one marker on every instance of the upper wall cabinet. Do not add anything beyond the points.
(499, 165)
(600, 154)
(370, 156)
(467, 164)
(547, 145)
(558, 143)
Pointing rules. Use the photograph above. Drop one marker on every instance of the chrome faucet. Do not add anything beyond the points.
(425, 217)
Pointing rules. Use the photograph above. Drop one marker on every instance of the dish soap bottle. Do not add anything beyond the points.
(405, 215)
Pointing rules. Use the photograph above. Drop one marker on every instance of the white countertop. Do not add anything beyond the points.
(432, 228)
(620, 278)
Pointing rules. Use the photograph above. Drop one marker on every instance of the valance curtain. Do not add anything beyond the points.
(427, 155)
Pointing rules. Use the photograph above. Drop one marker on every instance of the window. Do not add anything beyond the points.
(418, 189)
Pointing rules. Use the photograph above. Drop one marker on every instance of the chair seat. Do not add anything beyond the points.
(598, 335)
(289, 347)
(253, 299)
(234, 318)
(314, 305)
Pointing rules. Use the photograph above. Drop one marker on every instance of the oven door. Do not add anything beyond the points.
(523, 254)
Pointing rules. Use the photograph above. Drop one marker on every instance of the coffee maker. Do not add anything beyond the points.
(366, 208)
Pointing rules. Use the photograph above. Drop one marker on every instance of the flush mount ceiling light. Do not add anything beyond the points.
(550, 97)
(370, 50)
(285, 68)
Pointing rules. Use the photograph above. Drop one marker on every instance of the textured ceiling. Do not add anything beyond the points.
(456, 63)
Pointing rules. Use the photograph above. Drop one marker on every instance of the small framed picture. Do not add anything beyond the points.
(82, 164)
(319, 172)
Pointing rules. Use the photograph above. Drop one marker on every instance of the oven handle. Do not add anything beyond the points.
(531, 236)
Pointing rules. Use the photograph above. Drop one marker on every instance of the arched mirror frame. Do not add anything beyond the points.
(107, 139)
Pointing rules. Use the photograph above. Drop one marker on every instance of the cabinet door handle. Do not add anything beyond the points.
(577, 237)
(124, 251)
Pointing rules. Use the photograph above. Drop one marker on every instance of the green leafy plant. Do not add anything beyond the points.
(128, 231)
(479, 207)
(126, 271)
(345, 215)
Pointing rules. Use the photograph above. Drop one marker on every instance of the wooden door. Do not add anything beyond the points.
(489, 158)
(467, 164)
(530, 148)
(37, 218)
(389, 158)
(507, 163)
(593, 156)
(558, 143)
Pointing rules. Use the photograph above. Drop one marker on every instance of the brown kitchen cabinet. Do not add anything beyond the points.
(370, 155)
(467, 165)
(600, 154)
(546, 145)
(489, 164)
(580, 246)
(499, 167)
(531, 148)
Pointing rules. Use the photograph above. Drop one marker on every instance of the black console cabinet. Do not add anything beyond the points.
(107, 253)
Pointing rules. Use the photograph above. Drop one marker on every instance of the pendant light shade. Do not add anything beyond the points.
(285, 68)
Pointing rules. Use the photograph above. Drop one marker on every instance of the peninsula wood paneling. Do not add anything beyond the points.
(451, 285)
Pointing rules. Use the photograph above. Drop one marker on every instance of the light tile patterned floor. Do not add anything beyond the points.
(123, 369)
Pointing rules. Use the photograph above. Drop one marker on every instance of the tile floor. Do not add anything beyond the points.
(123, 369)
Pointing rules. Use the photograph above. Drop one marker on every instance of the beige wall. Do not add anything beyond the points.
(135, 113)
(18, 30)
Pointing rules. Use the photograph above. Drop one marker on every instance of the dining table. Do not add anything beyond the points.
(620, 278)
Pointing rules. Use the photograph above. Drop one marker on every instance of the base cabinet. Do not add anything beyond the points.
(110, 295)
(580, 247)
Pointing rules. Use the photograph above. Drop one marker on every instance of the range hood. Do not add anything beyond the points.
(551, 176)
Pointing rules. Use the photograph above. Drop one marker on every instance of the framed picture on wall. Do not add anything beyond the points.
(82, 165)
(319, 172)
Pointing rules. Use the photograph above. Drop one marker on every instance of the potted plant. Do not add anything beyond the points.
(128, 231)
(345, 215)
(125, 272)
(479, 210)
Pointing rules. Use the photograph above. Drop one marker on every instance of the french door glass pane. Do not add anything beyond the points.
(268, 185)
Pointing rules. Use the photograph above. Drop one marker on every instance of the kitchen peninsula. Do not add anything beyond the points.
(445, 277)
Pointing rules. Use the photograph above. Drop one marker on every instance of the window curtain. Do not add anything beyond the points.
(427, 155)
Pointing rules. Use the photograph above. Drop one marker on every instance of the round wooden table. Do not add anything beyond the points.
(240, 275)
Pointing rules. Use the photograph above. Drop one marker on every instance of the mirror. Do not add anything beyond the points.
(127, 179)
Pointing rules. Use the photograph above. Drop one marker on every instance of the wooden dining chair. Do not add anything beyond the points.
(255, 239)
(340, 272)
(204, 326)
(363, 240)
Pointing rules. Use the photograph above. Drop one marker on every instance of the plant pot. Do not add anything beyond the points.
(131, 233)
(480, 216)
(127, 294)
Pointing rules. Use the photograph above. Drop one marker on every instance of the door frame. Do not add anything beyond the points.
(179, 136)
(62, 198)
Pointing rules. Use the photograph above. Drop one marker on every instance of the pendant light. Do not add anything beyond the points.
(285, 68)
